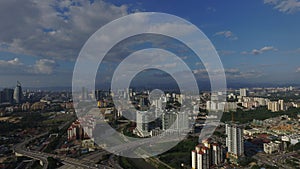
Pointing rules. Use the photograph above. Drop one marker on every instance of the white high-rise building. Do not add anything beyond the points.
(234, 140)
(18, 95)
(243, 92)
(212, 105)
(142, 126)
(281, 105)
(200, 157)
(207, 155)
(158, 104)
(273, 106)
(175, 121)
(217, 154)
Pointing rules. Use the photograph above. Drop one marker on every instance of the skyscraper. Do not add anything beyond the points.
(234, 141)
(18, 95)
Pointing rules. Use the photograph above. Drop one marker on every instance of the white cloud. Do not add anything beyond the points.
(14, 62)
(285, 6)
(227, 34)
(16, 67)
(200, 71)
(38, 28)
(298, 70)
(12, 67)
(44, 66)
(260, 51)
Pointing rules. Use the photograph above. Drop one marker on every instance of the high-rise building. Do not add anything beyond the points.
(281, 105)
(18, 95)
(75, 131)
(207, 155)
(175, 121)
(143, 103)
(142, 124)
(275, 106)
(158, 103)
(8, 95)
(234, 141)
(84, 93)
(243, 92)
(200, 157)
(1, 96)
(82, 128)
(217, 154)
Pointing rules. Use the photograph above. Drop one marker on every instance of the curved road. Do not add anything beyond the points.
(74, 163)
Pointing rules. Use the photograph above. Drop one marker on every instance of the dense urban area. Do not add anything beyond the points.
(259, 129)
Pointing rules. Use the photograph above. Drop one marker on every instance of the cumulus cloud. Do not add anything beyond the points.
(260, 51)
(227, 34)
(52, 28)
(17, 67)
(44, 66)
(285, 6)
(12, 67)
(14, 62)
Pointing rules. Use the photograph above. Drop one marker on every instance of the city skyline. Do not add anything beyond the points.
(256, 48)
(150, 84)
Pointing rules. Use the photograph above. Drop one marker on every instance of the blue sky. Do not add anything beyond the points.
(258, 41)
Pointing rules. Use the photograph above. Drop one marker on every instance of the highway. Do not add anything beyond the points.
(21, 149)
(274, 159)
(143, 142)
(69, 162)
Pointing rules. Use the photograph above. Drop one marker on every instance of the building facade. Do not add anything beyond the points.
(207, 155)
(234, 141)
(18, 95)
